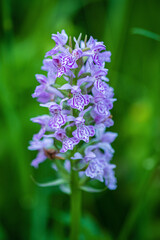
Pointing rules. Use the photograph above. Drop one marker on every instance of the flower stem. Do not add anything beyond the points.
(75, 204)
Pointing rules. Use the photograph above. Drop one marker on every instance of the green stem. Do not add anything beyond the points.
(75, 204)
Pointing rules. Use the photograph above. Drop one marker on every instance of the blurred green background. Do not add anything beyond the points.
(28, 212)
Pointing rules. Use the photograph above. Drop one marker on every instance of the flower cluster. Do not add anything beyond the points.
(79, 99)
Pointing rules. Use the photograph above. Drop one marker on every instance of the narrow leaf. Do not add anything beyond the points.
(49, 184)
(92, 190)
(145, 33)
(65, 189)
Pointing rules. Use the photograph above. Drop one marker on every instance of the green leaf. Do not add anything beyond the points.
(50, 184)
(145, 33)
(92, 189)
(65, 189)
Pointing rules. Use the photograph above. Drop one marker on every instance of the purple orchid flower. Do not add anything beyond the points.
(41, 95)
(68, 143)
(83, 132)
(94, 170)
(96, 165)
(105, 146)
(106, 120)
(43, 121)
(103, 103)
(78, 101)
(88, 91)
(97, 75)
(40, 145)
(100, 169)
(109, 176)
(94, 52)
(51, 69)
(101, 106)
(103, 136)
(60, 40)
(64, 62)
(58, 119)
(45, 92)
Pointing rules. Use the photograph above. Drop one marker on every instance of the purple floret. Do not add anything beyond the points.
(40, 145)
(78, 101)
(43, 121)
(67, 143)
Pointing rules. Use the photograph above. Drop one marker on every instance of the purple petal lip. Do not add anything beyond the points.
(57, 121)
(41, 78)
(68, 144)
(78, 101)
(60, 38)
(84, 132)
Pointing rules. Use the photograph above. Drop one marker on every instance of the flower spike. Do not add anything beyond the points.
(79, 99)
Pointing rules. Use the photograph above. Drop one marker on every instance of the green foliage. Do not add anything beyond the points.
(146, 33)
(54, 183)
(131, 212)
(92, 189)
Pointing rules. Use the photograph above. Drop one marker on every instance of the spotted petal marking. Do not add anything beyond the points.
(99, 86)
(91, 131)
(84, 132)
(101, 108)
(68, 61)
(79, 101)
(61, 71)
(57, 121)
(96, 59)
(68, 144)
